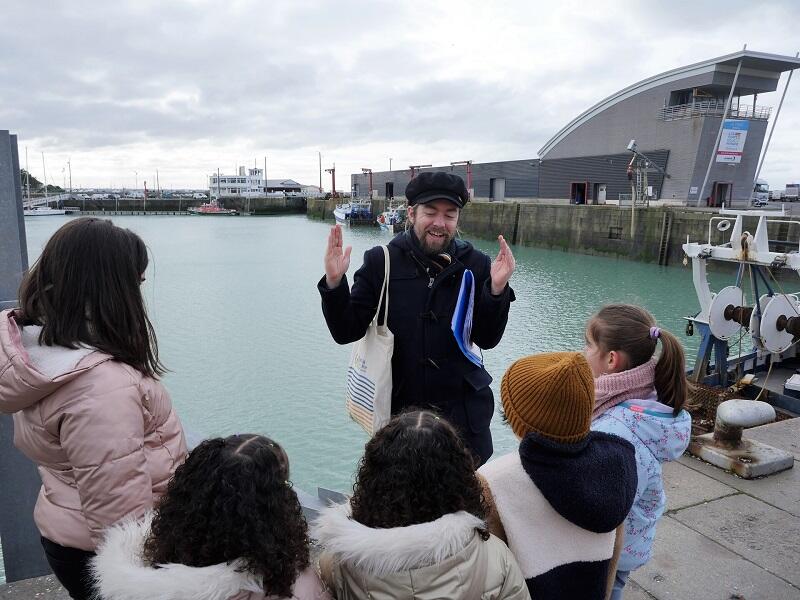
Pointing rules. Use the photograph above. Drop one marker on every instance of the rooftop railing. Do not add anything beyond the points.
(713, 108)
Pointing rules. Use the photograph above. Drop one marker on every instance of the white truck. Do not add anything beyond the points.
(791, 192)
(760, 195)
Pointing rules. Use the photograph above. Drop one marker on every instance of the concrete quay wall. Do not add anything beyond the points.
(255, 205)
(658, 234)
(600, 230)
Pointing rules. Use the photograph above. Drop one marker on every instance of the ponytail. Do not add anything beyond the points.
(631, 330)
(671, 383)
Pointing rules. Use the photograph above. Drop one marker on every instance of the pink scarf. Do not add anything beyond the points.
(613, 388)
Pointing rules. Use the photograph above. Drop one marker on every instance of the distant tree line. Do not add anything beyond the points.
(36, 185)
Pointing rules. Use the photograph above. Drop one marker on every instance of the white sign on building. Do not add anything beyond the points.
(731, 144)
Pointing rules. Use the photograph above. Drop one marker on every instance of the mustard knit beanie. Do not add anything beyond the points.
(551, 394)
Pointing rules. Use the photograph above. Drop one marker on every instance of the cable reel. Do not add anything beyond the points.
(780, 323)
(726, 316)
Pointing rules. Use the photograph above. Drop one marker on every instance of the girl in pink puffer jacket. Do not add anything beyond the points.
(229, 527)
(79, 370)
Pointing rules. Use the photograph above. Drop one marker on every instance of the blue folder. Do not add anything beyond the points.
(462, 319)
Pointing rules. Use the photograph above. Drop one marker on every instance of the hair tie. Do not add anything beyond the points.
(655, 333)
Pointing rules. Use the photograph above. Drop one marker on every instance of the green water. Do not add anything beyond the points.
(238, 318)
(235, 306)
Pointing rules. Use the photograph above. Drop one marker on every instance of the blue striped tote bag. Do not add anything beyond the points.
(369, 376)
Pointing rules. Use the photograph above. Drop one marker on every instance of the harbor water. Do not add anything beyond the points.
(235, 306)
(237, 313)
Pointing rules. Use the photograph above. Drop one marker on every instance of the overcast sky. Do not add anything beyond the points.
(188, 87)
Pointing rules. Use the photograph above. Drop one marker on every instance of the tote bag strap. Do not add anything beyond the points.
(384, 297)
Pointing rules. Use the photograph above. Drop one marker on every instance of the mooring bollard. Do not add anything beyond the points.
(727, 449)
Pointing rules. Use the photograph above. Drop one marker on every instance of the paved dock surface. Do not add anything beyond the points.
(722, 537)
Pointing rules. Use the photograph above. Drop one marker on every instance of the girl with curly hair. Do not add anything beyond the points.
(229, 527)
(79, 370)
(415, 525)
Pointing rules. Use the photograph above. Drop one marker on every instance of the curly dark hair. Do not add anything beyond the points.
(231, 501)
(415, 470)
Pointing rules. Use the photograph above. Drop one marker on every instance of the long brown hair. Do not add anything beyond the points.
(625, 328)
(85, 289)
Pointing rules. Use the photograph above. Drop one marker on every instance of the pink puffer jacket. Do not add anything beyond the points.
(104, 436)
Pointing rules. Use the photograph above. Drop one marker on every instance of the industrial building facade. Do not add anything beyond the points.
(674, 117)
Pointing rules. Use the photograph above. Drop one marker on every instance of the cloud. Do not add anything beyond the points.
(187, 87)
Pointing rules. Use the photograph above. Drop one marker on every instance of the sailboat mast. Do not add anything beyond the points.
(27, 174)
(45, 176)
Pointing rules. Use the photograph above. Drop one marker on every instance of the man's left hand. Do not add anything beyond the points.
(502, 267)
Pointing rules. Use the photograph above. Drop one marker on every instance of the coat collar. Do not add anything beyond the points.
(383, 551)
(120, 573)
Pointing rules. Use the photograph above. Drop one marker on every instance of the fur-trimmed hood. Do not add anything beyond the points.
(379, 552)
(30, 371)
(121, 575)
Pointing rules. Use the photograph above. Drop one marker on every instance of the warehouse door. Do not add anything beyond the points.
(721, 192)
(577, 192)
(497, 189)
(389, 189)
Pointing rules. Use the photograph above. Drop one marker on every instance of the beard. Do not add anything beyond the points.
(433, 246)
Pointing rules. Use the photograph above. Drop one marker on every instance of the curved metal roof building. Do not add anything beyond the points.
(674, 117)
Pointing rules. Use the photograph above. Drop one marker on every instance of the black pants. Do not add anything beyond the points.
(71, 568)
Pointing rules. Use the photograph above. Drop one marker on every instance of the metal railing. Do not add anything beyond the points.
(43, 201)
(713, 108)
(625, 200)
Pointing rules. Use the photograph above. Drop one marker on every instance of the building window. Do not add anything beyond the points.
(615, 233)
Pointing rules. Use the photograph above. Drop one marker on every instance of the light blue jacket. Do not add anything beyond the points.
(658, 437)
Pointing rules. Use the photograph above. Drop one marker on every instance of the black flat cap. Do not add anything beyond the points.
(438, 185)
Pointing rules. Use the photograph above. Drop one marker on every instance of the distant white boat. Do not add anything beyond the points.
(342, 213)
(394, 215)
(43, 211)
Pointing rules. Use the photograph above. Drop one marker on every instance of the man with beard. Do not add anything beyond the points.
(427, 265)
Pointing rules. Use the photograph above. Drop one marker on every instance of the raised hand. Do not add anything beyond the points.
(337, 261)
(502, 267)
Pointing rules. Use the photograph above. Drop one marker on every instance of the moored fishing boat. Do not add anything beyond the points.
(342, 213)
(752, 329)
(211, 209)
(392, 217)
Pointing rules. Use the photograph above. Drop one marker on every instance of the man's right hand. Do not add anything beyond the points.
(336, 261)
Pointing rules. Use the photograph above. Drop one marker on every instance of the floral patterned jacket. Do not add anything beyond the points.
(658, 437)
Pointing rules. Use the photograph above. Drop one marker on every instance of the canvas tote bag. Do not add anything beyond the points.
(369, 376)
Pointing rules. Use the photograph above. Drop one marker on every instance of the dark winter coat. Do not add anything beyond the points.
(428, 369)
(559, 505)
